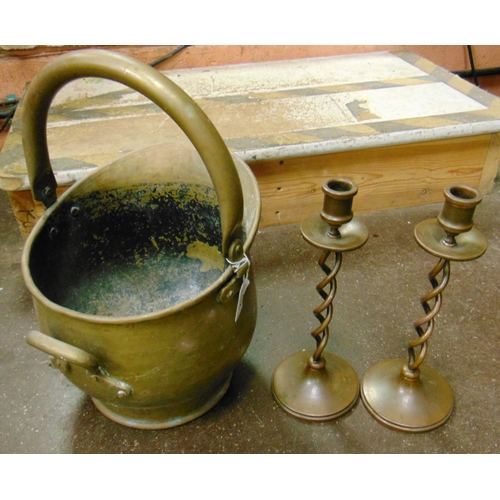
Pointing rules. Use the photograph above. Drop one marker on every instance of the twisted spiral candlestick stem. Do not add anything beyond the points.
(414, 361)
(318, 385)
(321, 333)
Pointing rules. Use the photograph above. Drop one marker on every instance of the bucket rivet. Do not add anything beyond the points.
(121, 394)
(53, 232)
(74, 211)
(236, 250)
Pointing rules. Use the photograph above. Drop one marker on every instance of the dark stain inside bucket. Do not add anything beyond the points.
(130, 251)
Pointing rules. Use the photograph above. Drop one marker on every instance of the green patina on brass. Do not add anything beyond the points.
(124, 252)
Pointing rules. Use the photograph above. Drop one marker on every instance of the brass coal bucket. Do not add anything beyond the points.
(140, 272)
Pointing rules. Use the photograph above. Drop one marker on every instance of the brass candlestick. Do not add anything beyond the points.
(316, 385)
(406, 394)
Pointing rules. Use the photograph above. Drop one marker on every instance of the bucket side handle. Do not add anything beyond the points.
(153, 85)
(66, 356)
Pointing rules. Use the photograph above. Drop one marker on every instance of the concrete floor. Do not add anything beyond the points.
(376, 304)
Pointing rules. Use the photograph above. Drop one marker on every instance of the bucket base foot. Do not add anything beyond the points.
(163, 417)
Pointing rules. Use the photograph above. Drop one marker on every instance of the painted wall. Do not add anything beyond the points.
(19, 65)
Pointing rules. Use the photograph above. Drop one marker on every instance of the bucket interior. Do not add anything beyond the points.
(129, 251)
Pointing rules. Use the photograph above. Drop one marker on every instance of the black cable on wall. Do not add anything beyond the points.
(475, 73)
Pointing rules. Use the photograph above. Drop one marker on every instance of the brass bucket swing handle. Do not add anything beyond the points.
(159, 89)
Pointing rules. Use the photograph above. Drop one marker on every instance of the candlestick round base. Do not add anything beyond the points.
(416, 405)
(315, 394)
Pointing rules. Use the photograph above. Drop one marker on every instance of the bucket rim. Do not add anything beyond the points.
(161, 313)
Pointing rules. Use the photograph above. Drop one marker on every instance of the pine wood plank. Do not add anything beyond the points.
(491, 164)
(390, 177)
